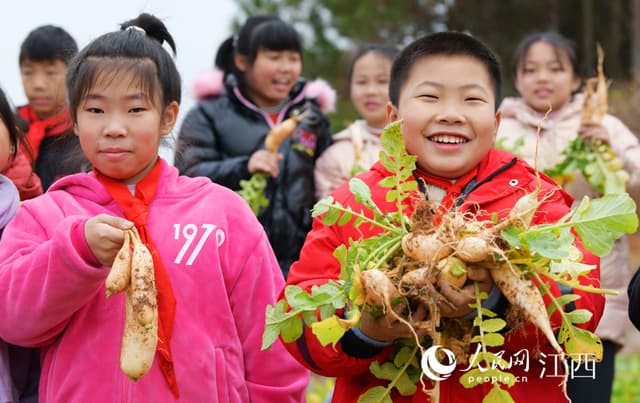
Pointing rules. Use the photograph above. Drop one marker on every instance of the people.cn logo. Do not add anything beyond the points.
(433, 368)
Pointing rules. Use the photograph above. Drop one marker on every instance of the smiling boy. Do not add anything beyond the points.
(44, 56)
(445, 87)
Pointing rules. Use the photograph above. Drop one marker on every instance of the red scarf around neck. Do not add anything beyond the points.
(39, 129)
(453, 189)
(136, 209)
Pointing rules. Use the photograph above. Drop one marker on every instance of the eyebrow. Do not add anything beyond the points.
(128, 97)
(469, 86)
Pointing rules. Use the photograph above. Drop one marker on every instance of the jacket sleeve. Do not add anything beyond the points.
(328, 173)
(272, 375)
(634, 299)
(45, 277)
(627, 147)
(317, 266)
(199, 152)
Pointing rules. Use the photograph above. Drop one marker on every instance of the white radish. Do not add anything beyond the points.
(425, 247)
(473, 249)
(120, 274)
(138, 343)
(524, 294)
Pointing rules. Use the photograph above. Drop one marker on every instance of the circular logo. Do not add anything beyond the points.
(433, 368)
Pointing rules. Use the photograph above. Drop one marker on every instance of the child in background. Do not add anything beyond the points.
(214, 268)
(19, 167)
(446, 88)
(223, 136)
(9, 201)
(356, 148)
(545, 74)
(44, 57)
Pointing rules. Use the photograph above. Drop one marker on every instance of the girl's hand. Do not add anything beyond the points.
(265, 161)
(594, 130)
(389, 328)
(105, 236)
(466, 295)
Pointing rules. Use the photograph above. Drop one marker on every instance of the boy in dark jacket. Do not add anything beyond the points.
(44, 56)
(445, 88)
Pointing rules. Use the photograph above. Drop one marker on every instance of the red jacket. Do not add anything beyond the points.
(512, 178)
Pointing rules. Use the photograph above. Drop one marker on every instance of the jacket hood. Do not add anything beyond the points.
(518, 109)
(86, 185)
(211, 83)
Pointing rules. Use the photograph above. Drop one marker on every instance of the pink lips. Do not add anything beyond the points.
(371, 106)
(114, 154)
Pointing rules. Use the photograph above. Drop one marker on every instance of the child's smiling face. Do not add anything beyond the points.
(447, 105)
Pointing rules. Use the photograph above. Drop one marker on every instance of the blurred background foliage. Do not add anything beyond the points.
(332, 29)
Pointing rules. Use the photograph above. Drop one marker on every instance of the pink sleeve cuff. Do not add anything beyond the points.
(80, 244)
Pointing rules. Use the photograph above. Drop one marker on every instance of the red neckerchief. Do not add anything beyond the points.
(453, 190)
(136, 209)
(39, 129)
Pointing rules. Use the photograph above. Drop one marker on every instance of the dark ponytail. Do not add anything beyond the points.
(135, 49)
(258, 32)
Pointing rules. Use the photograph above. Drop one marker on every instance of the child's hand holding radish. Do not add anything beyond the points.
(105, 236)
(391, 327)
(265, 161)
(462, 297)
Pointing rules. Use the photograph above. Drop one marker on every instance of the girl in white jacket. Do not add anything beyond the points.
(356, 148)
(545, 75)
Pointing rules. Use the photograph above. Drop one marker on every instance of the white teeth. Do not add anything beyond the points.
(448, 139)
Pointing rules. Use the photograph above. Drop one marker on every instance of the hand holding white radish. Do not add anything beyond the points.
(265, 161)
(462, 297)
(390, 328)
(105, 235)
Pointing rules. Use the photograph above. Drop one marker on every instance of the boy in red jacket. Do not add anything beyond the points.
(445, 87)
(44, 57)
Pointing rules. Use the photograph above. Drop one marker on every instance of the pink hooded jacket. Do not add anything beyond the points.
(223, 273)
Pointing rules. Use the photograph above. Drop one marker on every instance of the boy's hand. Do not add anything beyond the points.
(105, 236)
(466, 295)
(389, 328)
(594, 130)
(265, 161)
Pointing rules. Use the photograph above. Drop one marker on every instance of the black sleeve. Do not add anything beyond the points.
(634, 299)
(198, 152)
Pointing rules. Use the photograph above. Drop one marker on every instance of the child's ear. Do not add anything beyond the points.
(576, 83)
(495, 130)
(240, 62)
(169, 118)
(392, 113)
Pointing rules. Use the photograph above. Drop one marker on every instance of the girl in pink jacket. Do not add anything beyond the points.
(214, 269)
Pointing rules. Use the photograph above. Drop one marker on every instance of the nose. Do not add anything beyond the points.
(449, 113)
(114, 127)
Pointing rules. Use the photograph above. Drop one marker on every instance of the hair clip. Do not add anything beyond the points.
(136, 28)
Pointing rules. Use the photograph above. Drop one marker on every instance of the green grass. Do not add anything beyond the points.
(626, 384)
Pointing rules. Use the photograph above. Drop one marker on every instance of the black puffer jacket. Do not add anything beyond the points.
(221, 132)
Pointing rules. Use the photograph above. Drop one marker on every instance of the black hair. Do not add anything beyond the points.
(48, 42)
(386, 51)
(136, 48)
(9, 119)
(557, 41)
(258, 32)
(449, 43)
